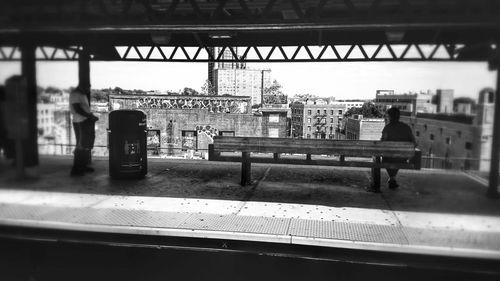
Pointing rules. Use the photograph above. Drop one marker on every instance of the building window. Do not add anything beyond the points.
(324, 112)
(308, 136)
(468, 145)
(441, 131)
(331, 120)
(318, 111)
(189, 140)
(425, 127)
(417, 133)
(309, 120)
(226, 133)
(459, 133)
(331, 112)
(273, 132)
(340, 111)
(274, 118)
(309, 112)
(308, 128)
(431, 137)
(448, 140)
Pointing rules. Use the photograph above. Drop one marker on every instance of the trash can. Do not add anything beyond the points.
(127, 144)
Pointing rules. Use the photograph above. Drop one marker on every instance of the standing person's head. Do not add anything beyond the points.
(83, 88)
(393, 114)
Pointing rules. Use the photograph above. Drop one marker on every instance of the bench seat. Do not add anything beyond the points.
(342, 149)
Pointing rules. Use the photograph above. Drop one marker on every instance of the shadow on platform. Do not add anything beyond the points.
(420, 191)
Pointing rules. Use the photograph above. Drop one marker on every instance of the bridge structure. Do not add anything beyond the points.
(265, 31)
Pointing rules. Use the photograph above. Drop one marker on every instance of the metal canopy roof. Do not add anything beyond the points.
(100, 25)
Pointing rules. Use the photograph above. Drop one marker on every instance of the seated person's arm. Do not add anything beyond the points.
(412, 138)
(384, 135)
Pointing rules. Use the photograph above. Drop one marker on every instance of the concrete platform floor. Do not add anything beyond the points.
(433, 212)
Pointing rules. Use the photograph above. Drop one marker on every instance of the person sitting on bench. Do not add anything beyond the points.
(395, 131)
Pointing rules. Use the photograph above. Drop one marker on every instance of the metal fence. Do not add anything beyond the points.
(103, 150)
(451, 163)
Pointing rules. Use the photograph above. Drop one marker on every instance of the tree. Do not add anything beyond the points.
(305, 96)
(189, 92)
(99, 95)
(52, 90)
(274, 89)
(208, 89)
(368, 110)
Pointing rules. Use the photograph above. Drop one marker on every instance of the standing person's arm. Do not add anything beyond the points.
(78, 109)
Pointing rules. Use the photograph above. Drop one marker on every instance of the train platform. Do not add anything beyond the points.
(434, 212)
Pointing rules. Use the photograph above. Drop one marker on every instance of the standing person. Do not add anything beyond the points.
(395, 131)
(3, 131)
(84, 126)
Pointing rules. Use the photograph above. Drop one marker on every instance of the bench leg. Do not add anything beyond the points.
(276, 156)
(376, 176)
(308, 157)
(246, 169)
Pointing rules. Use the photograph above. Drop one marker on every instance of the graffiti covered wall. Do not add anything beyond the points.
(213, 104)
(193, 124)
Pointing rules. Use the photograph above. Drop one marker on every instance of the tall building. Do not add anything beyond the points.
(318, 118)
(411, 102)
(242, 82)
(228, 55)
(233, 78)
(211, 66)
(444, 101)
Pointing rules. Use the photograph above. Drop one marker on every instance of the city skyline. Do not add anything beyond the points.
(346, 80)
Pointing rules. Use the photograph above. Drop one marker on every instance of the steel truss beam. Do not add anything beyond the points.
(326, 53)
(42, 53)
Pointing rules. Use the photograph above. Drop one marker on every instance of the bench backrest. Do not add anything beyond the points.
(360, 148)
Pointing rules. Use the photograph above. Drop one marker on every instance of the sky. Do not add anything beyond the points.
(342, 80)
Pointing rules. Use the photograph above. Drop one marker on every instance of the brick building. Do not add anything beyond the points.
(359, 128)
(456, 141)
(412, 102)
(191, 122)
(318, 118)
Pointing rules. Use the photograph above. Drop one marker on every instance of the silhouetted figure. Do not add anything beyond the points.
(395, 131)
(83, 124)
(6, 144)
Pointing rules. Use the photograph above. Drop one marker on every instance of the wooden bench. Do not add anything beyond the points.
(374, 151)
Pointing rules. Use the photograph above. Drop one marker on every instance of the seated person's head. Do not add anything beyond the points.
(393, 114)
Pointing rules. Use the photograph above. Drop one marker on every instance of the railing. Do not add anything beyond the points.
(103, 150)
(451, 163)
(432, 162)
(321, 122)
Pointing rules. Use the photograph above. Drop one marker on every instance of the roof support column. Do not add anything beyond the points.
(495, 145)
(28, 69)
(84, 72)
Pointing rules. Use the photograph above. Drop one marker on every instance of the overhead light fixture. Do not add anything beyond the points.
(289, 15)
(394, 35)
(220, 35)
(161, 38)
